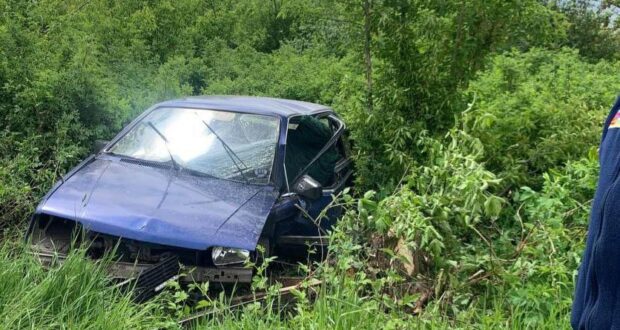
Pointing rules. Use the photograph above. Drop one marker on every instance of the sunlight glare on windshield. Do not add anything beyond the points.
(188, 137)
(231, 145)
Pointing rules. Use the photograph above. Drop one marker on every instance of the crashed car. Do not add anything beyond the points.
(201, 182)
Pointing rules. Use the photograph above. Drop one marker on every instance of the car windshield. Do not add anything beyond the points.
(226, 145)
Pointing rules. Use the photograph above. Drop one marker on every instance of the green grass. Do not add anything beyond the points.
(74, 296)
(77, 295)
(336, 307)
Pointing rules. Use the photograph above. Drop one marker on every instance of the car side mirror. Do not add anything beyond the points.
(99, 145)
(308, 187)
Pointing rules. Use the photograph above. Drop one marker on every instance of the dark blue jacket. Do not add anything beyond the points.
(596, 303)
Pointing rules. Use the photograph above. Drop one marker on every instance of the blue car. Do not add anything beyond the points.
(201, 182)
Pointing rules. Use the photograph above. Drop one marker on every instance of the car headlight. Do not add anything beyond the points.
(223, 256)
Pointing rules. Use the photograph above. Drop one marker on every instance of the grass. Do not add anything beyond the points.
(77, 295)
(74, 296)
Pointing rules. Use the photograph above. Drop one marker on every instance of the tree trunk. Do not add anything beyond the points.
(367, 56)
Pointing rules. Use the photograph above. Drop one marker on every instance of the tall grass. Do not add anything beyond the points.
(341, 303)
(340, 308)
(76, 295)
(336, 306)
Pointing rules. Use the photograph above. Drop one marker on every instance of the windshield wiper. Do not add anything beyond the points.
(174, 162)
(231, 154)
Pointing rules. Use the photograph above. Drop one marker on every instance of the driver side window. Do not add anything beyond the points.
(307, 135)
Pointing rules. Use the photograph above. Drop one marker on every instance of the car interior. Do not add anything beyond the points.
(307, 135)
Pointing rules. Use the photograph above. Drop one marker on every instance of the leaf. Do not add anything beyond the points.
(493, 206)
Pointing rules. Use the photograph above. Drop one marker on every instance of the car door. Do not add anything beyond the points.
(316, 147)
(333, 156)
(320, 209)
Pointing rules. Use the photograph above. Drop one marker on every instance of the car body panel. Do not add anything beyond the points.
(249, 104)
(159, 205)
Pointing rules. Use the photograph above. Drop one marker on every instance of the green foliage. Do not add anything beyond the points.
(479, 145)
(77, 296)
(536, 110)
(442, 201)
(442, 215)
(477, 252)
(445, 43)
(62, 87)
(286, 73)
(593, 27)
(425, 53)
(551, 231)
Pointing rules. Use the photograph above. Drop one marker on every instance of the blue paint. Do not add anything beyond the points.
(161, 205)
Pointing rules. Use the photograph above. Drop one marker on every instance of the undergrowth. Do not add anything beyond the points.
(76, 295)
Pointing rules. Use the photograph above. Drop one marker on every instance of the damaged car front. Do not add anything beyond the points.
(179, 185)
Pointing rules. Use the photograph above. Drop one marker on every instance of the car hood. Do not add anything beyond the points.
(160, 205)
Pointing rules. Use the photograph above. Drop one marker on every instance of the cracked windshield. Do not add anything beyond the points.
(225, 145)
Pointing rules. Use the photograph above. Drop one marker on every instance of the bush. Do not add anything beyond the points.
(477, 253)
(287, 73)
(534, 111)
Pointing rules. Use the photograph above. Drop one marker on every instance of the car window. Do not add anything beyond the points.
(327, 123)
(226, 145)
(307, 135)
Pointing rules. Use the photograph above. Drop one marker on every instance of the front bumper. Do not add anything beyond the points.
(127, 270)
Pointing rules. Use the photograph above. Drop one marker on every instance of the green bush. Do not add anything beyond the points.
(534, 111)
(60, 88)
(487, 260)
(286, 73)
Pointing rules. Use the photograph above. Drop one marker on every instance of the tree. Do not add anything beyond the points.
(593, 27)
(367, 52)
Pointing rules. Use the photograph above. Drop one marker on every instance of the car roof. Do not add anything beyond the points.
(249, 104)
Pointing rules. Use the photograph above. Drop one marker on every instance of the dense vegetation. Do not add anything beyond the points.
(475, 126)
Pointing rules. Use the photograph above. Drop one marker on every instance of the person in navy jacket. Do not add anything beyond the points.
(596, 303)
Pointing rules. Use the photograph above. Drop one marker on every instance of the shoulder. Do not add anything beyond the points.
(613, 118)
